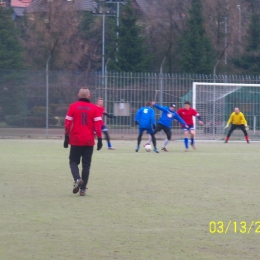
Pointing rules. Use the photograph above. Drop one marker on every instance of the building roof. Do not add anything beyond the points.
(144, 6)
(40, 5)
(19, 11)
(20, 3)
(86, 5)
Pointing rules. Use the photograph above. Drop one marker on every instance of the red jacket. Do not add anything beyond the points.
(81, 120)
(102, 111)
(187, 115)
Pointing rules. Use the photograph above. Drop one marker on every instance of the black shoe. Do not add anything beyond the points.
(77, 185)
(225, 142)
(248, 142)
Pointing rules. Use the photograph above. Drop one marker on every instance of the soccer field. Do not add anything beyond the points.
(138, 205)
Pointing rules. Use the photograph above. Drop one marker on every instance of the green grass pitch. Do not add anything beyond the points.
(141, 206)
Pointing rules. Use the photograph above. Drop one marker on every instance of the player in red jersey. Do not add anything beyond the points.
(187, 113)
(104, 127)
(81, 120)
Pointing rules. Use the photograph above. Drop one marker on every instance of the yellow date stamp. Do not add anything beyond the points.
(243, 227)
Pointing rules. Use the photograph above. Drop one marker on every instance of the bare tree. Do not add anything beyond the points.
(227, 23)
(59, 19)
(165, 21)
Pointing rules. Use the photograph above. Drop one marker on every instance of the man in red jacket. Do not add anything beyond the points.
(82, 119)
(104, 127)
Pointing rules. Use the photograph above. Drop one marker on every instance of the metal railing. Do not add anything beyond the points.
(23, 99)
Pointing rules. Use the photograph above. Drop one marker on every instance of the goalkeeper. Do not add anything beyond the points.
(237, 120)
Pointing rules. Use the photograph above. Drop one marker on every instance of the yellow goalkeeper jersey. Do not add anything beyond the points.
(237, 119)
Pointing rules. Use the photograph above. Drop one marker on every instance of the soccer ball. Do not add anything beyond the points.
(148, 148)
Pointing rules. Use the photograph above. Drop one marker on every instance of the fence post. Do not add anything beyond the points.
(254, 124)
(161, 88)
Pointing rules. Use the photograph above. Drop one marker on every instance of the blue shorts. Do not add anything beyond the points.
(104, 128)
(191, 127)
(148, 130)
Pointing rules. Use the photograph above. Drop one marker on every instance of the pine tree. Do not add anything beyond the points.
(196, 51)
(249, 62)
(11, 52)
(132, 54)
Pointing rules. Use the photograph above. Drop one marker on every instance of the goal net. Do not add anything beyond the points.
(216, 101)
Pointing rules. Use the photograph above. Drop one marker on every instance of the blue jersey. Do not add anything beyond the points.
(168, 116)
(145, 117)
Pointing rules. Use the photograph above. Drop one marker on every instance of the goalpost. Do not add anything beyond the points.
(216, 101)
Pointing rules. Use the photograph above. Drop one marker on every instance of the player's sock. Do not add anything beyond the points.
(109, 145)
(186, 142)
(166, 141)
(192, 141)
(149, 141)
(153, 140)
(246, 136)
(139, 140)
(137, 148)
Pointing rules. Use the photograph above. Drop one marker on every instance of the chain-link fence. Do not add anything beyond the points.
(24, 95)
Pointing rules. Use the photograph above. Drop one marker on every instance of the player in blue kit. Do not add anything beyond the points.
(146, 120)
(168, 115)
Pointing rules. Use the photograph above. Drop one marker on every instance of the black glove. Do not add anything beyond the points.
(99, 144)
(66, 141)
(136, 122)
(153, 126)
(110, 115)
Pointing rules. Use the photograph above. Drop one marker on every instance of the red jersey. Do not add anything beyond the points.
(81, 120)
(187, 115)
(101, 111)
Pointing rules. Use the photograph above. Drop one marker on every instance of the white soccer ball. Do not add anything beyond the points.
(148, 148)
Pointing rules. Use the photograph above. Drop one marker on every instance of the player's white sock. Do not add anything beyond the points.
(166, 141)
(150, 139)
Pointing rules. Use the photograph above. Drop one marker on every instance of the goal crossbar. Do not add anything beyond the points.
(195, 84)
(224, 84)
